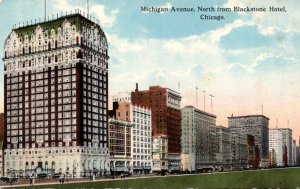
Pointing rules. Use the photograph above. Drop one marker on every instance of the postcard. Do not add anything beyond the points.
(150, 93)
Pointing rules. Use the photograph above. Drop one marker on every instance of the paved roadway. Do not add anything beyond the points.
(25, 182)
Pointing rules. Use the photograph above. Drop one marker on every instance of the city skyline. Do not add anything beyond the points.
(246, 61)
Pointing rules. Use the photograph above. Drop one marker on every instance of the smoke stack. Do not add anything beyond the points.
(136, 87)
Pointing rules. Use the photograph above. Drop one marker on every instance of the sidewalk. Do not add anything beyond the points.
(37, 182)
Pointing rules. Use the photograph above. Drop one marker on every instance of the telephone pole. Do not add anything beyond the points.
(196, 97)
(211, 103)
(45, 5)
(204, 98)
(87, 8)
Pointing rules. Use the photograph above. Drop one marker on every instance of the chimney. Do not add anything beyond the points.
(136, 87)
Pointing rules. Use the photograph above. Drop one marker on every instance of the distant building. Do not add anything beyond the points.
(121, 96)
(298, 152)
(166, 118)
(276, 147)
(1, 126)
(223, 155)
(198, 139)
(120, 146)
(257, 126)
(253, 153)
(1, 159)
(140, 118)
(295, 155)
(239, 150)
(287, 139)
(160, 154)
(1, 143)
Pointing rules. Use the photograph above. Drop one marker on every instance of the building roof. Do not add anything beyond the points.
(76, 19)
(248, 116)
(200, 111)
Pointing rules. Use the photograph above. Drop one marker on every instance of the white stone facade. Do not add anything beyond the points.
(287, 139)
(71, 161)
(276, 145)
(141, 139)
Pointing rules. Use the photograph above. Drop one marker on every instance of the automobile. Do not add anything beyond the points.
(10, 179)
(41, 175)
(56, 175)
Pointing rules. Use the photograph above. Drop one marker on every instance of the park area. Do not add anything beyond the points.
(271, 178)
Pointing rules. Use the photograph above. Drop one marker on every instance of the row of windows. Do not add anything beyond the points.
(13, 130)
(65, 111)
(95, 96)
(100, 130)
(42, 93)
(42, 137)
(38, 98)
(90, 108)
(142, 144)
(142, 157)
(67, 125)
(143, 151)
(90, 75)
(42, 116)
(60, 131)
(17, 106)
(41, 144)
(141, 132)
(95, 137)
(40, 83)
(141, 115)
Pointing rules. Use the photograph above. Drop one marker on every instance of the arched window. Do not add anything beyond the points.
(79, 54)
(53, 165)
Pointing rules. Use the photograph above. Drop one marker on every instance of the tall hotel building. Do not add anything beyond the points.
(198, 139)
(56, 85)
(257, 126)
(166, 118)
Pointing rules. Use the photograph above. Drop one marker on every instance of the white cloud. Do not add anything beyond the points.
(107, 19)
(284, 21)
(260, 58)
(216, 35)
(165, 62)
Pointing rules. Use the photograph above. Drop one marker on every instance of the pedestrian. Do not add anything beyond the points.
(30, 181)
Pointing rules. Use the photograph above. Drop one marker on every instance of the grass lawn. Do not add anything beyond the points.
(282, 178)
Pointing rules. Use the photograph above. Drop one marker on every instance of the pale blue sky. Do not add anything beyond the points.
(245, 60)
